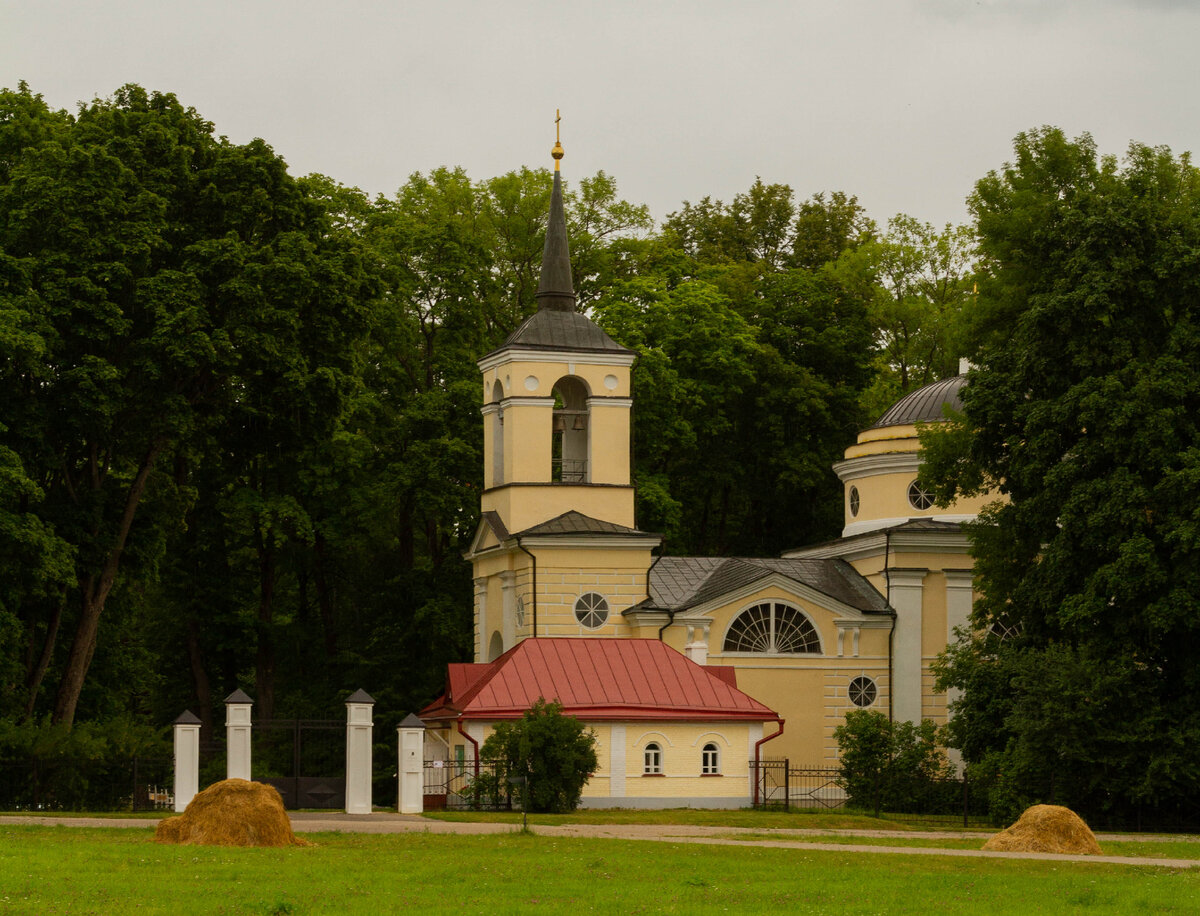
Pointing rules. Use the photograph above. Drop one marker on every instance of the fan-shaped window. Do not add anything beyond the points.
(591, 610)
(652, 759)
(863, 691)
(710, 760)
(918, 496)
(775, 628)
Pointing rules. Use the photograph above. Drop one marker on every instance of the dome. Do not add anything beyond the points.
(925, 404)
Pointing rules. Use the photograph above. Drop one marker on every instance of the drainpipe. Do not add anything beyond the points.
(757, 744)
(474, 743)
(887, 596)
(533, 588)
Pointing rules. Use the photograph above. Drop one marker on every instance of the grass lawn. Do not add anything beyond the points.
(794, 819)
(63, 870)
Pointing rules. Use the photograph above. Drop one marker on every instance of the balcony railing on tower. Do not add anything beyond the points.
(568, 470)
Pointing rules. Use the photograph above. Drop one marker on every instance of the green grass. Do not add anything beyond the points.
(794, 819)
(48, 870)
(1147, 849)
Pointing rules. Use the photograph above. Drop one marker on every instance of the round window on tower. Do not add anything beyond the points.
(863, 691)
(918, 496)
(854, 501)
(591, 610)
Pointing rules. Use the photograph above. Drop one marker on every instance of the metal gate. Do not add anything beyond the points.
(778, 784)
(305, 759)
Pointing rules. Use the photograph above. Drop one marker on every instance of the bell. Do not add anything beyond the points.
(560, 423)
(580, 422)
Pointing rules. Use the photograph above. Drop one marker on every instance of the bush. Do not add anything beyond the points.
(894, 766)
(554, 753)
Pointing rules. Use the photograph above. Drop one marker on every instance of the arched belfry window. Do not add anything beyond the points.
(569, 463)
(775, 628)
(498, 435)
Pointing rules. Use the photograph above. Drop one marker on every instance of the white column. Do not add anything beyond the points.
(697, 643)
(187, 759)
(359, 727)
(237, 735)
(906, 590)
(508, 611)
(616, 761)
(482, 632)
(412, 765)
(960, 598)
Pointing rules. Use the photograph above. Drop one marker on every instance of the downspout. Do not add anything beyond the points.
(533, 591)
(474, 744)
(757, 744)
(887, 596)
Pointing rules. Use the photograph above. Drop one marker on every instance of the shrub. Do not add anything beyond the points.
(554, 753)
(896, 766)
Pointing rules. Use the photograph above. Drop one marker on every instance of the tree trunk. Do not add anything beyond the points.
(324, 597)
(94, 591)
(200, 681)
(264, 679)
(33, 683)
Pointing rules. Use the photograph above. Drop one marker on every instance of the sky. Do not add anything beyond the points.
(903, 103)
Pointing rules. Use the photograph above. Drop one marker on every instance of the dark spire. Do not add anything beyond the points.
(556, 292)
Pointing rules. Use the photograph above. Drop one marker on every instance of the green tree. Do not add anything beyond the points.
(555, 753)
(889, 766)
(1083, 414)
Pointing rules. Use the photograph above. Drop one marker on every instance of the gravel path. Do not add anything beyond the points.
(382, 822)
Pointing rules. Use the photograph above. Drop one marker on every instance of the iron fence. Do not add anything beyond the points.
(469, 785)
(139, 783)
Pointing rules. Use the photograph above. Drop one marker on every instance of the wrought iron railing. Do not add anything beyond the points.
(569, 470)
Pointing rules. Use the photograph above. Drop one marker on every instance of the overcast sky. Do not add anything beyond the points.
(904, 103)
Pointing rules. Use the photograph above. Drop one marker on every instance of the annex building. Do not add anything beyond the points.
(686, 667)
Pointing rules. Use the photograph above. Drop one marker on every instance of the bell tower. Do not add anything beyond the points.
(557, 404)
(556, 552)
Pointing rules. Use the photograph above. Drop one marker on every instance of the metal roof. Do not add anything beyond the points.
(681, 582)
(555, 289)
(572, 522)
(596, 678)
(546, 329)
(925, 405)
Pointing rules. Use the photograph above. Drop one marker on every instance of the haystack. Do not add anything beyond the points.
(232, 812)
(1046, 828)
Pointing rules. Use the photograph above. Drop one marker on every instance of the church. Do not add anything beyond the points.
(686, 668)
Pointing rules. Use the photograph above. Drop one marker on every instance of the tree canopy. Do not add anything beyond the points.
(1082, 676)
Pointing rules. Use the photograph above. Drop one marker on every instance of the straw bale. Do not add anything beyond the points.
(1046, 828)
(233, 812)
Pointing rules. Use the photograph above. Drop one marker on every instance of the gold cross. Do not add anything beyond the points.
(557, 118)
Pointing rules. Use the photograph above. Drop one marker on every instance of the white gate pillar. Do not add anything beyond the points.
(412, 765)
(187, 758)
(237, 735)
(359, 727)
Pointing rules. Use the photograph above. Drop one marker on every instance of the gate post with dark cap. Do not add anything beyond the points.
(237, 735)
(359, 726)
(412, 765)
(187, 758)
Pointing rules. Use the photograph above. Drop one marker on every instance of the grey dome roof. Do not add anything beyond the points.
(925, 404)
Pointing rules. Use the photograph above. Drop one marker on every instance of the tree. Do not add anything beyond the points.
(886, 765)
(556, 754)
(1083, 414)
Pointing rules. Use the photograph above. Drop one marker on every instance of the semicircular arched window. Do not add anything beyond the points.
(775, 628)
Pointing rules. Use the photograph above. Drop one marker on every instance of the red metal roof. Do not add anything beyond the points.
(594, 679)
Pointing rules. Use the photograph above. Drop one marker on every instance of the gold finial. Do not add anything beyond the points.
(557, 152)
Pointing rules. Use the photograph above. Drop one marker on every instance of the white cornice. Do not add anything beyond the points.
(581, 357)
(601, 401)
(873, 465)
(878, 524)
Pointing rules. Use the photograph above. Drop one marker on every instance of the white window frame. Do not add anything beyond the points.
(652, 759)
(710, 759)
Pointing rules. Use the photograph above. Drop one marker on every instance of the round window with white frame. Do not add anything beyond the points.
(591, 610)
(855, 501)
(863, 691)
(918, 496)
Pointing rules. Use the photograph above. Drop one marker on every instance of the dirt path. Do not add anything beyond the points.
(382, 822)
